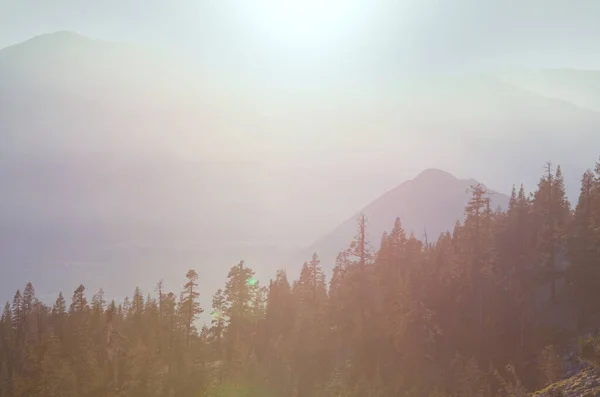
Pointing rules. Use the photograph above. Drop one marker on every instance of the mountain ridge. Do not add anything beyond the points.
(436, 217)
(84, 125)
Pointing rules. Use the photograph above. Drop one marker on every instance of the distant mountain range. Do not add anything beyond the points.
(428, 205)
(580, 87)
(116, 157)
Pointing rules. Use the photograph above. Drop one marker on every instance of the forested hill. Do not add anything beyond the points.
(429, 205)
(483, 311)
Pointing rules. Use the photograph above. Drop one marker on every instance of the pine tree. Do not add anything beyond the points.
(27, 304)
(360, 278)
(340, 308)
(515, 254)
(79, 346)
(551, 210)
(309, 356)
(28, 300)
(278, 334)
(98, 302)
(239, 293)
(318, 285)
(60, 307)
(190, 306)
(476, 246)
(111, 312)
(59, 315)
(78, 301)
(339, 272)
(17, 312)
(137, 304)
(170, 326)
(57, 379)
(584, 271)
(8, 345)
(396, 243)
(259, 304)
(218, 323)
(360, 248)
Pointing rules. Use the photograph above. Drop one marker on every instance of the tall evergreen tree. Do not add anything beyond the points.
(219, 307)
(190, 305)
(239, 292)
(584, 272)
(361, 280)
(8, 345)
(78, 301)
(551, 210)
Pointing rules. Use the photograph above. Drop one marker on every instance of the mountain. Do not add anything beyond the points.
(428, 205)
(580, 87)
(66, 95)
(108, 170)
(118, 157)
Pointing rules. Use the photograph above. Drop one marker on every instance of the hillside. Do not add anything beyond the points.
(114, 156)
(450, 319)
(580, 87)
(58, 88)
(428, 205)
(585, 384)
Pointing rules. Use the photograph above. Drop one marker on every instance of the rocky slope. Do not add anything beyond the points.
(585, 384)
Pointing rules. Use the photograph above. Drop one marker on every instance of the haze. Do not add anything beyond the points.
(299, 198)
(268, 124)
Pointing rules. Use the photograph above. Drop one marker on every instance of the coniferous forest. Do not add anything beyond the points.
(483, 311)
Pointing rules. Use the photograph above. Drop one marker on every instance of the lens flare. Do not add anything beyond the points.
(251, 281)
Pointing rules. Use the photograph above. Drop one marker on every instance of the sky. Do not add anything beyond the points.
(344, 39)
(339, 54)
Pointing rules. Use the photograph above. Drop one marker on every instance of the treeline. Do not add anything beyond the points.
(468, 315)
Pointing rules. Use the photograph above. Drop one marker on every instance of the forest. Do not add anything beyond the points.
(485, 310)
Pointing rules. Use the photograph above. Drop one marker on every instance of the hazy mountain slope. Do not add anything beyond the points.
(66, 94)
(430, 203)
(112, 156)
(580, 87)
(108, 170)
(501, 129)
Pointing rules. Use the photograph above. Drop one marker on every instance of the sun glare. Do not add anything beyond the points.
(305, 25)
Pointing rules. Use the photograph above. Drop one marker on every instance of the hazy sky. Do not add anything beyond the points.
(266, 38)
(338, 52)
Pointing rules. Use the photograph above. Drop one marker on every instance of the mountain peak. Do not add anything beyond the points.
(433, 201)
(434, 174)
(60, 36)
(48, 43)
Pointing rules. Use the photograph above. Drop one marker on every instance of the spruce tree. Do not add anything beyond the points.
(7, 341)
(239, 292)
(584, 271)
(190, 305)
(551, 211)
(219, 307)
